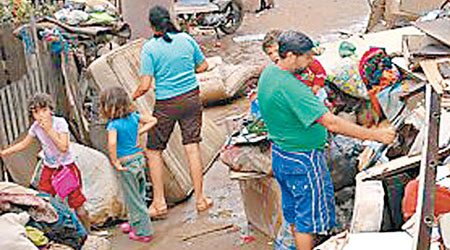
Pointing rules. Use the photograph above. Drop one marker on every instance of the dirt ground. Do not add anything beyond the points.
(324, 20)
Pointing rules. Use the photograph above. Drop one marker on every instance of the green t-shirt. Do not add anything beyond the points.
(290, 110)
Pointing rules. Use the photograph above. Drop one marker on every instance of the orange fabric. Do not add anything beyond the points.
(409, 203)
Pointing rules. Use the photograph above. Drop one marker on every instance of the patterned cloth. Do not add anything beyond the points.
(377, 72)
(347, 78)
(37, 207)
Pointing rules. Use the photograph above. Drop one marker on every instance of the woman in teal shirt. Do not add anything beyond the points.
(169, 62)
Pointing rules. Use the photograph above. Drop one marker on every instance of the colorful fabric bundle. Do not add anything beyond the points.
(347, 78)
(377, 72)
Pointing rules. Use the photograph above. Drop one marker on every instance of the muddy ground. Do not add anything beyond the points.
(324, 20)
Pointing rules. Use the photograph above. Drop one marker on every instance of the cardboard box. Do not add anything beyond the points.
(262, 202)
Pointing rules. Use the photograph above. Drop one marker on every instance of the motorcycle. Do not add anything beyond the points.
(225, 15)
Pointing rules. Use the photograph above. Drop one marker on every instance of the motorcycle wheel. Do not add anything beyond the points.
(234, 19)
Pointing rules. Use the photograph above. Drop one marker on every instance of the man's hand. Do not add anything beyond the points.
(384, 135)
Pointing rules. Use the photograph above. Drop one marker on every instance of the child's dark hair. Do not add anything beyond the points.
(115, 103)
(270, 38)
(159, 18)
(38, 101)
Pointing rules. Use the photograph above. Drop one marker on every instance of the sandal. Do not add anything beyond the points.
(158, 213)
(125, 227)
(144, 239)
(204, 204)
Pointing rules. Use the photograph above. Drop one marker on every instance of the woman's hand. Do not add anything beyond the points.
(118, 166)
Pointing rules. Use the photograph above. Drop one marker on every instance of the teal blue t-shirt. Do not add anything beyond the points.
(172, 64)
(290, 110)
(127, 134)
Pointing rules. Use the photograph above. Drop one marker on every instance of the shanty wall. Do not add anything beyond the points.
(20, 78)
(23, 73)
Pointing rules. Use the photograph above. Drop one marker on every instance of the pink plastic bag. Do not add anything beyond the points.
(64, 182)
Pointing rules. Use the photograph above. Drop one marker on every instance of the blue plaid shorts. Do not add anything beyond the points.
(306, 189)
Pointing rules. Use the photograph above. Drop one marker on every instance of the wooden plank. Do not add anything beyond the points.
(427, 180)
(419, 6)
(32, 83)
(4, 107)
(3, 136)
(434, 76)
(438, 29)
(18, 106)
(37, 83)
(28, 86)
(24, 101)
(12, 111)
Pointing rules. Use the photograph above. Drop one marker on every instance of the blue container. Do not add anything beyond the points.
(194, 2)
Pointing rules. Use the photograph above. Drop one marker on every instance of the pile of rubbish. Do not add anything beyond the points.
(88, 28)
(364, 85)
(31, 221)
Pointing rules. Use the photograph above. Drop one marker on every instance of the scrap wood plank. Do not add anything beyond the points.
(434, 76)
(419, 6)
(17, 107)
(6, 115)
(438, 29)
(12, 110)
(207, 231)
(392, 167)
(24, 101)
(3, 137)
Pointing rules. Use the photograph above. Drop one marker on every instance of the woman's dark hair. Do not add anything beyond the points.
(159, 18)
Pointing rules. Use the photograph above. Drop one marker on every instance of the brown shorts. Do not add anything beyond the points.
(186, 109)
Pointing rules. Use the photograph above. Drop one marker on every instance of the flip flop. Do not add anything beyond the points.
(158, 213)
(204, 204)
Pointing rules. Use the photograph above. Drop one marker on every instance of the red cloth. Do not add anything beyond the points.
(319, 73)
(409, 203)
(76, 198)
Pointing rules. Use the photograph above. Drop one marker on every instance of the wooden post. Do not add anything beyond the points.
(36, 44)
(427, 182)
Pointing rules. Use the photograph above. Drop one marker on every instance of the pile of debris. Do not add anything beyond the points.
(372, 182)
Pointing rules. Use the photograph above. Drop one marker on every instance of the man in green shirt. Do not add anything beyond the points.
(297, 123)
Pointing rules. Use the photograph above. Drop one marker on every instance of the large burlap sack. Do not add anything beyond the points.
(226, 81)
(212, 86)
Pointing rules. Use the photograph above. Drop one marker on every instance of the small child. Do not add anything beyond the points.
(124, 128)
(314, 76)
(53, 133)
